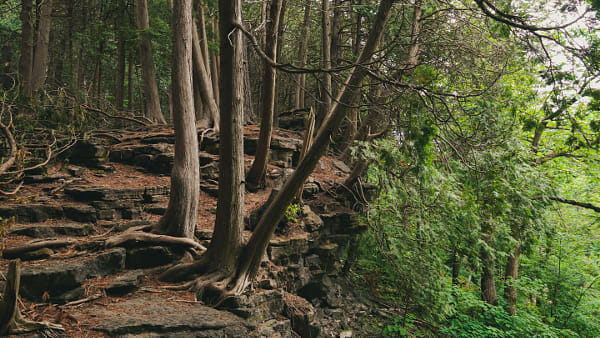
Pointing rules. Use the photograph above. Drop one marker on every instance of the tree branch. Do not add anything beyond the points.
(577, 203)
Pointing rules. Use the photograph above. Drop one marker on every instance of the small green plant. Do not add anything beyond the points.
(292, 212)
(399, 328)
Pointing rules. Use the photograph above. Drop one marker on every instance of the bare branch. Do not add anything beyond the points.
(577, 203)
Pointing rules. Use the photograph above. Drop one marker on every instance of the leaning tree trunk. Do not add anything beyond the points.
(227, 237)
(256, 176)
(303, 56)
(180, 217)
(40, 60)
(253, 252)
(153, 111)
(26, 58)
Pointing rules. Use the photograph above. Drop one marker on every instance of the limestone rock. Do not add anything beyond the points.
(60, 277)
(127, 283)
(151, 316)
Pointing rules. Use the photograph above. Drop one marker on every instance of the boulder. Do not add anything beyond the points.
(124, 284)
(148, 257)
(255, 306)
(61, 277)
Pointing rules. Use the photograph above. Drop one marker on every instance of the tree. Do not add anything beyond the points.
(180, 217)
(41, 57)
(153, 111)
(257, 174)
(249, 260)
(303, 56)
(27, 34)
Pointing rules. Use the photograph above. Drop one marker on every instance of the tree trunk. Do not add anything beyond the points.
(214, 66)
(456, 262)
(153, 111)
(253, 252)
(303, 56)
(256, 176)
(120, 71)
(227, 237)
(510, 279)
(202, 78)
(336, 33)
(326, 60)
(488, 280)
(26, 58)
(352, 126)
(130, 68)
(40, 60)
(180, 217)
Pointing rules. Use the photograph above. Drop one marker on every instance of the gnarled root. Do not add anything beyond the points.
(136, 236)
(11, 320)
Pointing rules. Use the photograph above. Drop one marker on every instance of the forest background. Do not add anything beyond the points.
(476, 121)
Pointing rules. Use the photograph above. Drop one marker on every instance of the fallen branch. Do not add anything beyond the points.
(14, 191)
(15, 252)
(83, 300)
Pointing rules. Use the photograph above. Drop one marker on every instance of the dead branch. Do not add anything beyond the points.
(83, 300)
(14, 252)
(14, 191)
(131, 119)
(12, 144)
(39, 165)
(576, 203)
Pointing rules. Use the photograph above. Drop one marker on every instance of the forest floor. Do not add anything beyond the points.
(82, 317)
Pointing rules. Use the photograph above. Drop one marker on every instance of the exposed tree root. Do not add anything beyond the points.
(11, 320)
(15, 252)
(150, 238)
(211, 284)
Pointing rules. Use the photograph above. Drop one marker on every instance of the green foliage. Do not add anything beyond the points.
(293, 212)
(475, 318)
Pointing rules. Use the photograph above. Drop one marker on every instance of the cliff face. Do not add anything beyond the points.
(112, 182)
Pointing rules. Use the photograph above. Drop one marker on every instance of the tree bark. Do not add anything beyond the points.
(153, 111)
(227, 237)
(326, 59)
(510, 279)
(40, 60)
(214, 66)
(253, 252)
(26, 58)
(488, 280)
(303, 56)
(256, 176)
(202, 79)
(120, 71)
(180, 217)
